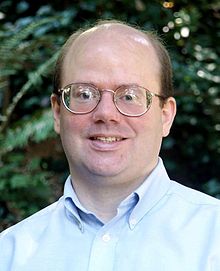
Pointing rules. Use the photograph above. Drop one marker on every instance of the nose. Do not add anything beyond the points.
(106, 110)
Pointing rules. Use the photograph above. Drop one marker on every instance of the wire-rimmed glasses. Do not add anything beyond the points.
(130, 100)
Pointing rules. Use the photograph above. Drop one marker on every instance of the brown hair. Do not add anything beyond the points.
(162, 54)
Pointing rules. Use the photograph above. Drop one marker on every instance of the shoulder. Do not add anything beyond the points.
(37, 221)
(195, 213)
(20, 240)
(193, 197)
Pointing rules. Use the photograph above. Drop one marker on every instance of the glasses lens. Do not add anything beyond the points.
(80, 98)
(132, 100)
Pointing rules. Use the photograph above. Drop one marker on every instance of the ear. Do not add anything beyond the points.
(55, 104)
(168, 115)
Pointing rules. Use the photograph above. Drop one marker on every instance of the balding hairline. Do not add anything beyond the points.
(151, 36)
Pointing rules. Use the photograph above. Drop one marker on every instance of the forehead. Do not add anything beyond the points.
(117, 30)
(111, 46)
(111, 34)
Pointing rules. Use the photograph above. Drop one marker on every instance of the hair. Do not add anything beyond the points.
(166, 80)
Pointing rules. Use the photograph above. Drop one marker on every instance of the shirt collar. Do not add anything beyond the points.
(140, 201)
(150, 193)
(75, 210)
(70, 202)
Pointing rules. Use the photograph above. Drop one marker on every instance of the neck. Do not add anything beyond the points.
(102, 196)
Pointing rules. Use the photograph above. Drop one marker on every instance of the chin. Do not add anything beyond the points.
(104, 171)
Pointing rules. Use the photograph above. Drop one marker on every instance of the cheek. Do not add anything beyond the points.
(71, 136)
(73, 126)
(149, 130)
(149, 123)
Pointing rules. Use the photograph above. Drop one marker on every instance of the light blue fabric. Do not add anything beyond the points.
(162, 226)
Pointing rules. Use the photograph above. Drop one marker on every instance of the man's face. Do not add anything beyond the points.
(105, 143)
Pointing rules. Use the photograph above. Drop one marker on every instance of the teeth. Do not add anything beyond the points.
(107, 139)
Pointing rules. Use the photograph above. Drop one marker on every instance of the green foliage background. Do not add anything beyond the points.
(32, 164)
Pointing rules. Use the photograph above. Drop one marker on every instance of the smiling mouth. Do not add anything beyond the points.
(108, 139)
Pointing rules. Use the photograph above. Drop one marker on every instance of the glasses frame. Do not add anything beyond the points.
(60, 92)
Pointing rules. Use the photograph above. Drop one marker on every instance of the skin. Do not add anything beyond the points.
(105, 173)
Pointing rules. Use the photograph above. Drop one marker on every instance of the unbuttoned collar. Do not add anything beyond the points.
(150, 193)
(143, 199)
(71, 201)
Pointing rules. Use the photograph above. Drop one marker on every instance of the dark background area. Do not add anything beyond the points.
(32, 164)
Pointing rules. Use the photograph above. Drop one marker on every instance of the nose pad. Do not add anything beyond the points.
(106, 110)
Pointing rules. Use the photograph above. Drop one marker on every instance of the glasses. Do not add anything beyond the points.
(130, 100)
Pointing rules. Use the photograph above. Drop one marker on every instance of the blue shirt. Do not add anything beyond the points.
(162, 226)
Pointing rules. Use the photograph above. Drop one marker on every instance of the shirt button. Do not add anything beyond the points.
(133, 222)
(80, 226)
(106, 237)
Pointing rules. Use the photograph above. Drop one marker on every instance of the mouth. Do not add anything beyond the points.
(107, 139)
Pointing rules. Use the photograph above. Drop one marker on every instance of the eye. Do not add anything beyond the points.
(129, 96)
(83, 94)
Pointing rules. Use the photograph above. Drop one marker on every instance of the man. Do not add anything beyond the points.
(112, 106)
